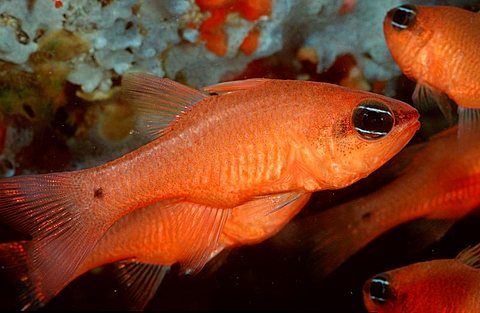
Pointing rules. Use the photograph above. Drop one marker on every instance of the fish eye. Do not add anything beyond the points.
(372, 120)
(403, 16)
(379, 289)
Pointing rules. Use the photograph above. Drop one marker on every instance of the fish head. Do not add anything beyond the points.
(370, 130)
(419, 287)
(408, 31)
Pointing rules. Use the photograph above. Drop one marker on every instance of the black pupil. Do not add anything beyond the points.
(403, 16)
(372, 120)
(379, 289)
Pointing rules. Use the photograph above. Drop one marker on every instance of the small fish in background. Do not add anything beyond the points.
(438, 183)
(437, 46)
(447, 285)
(260, 143)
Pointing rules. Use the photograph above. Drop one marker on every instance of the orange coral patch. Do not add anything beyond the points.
(250, 42)
(252, 9)
(212, 32)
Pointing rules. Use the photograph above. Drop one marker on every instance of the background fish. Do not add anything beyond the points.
(439, 183)
(437, 46)
(449, 285)
(248, 143)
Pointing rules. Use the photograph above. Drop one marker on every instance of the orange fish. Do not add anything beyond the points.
(438, 183)
(438, 47)
(449, 285)
(245, 143)
(145, 243)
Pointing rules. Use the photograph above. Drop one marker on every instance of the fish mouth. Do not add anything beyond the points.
(407, 118)
(406, 125)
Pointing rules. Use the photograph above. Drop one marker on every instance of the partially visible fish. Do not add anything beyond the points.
(448, 285)
(438, 47)
(237, 144)
(438, 183)
(145, 243)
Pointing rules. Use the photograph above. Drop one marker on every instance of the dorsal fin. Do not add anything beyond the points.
(470, 256)
(158, 101)
(140, 281)
(237, 85)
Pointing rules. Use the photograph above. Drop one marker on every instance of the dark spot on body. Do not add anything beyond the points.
(213, 93)
(98, 193)
(367, 216)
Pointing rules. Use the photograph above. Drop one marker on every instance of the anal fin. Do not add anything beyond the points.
(140, 281)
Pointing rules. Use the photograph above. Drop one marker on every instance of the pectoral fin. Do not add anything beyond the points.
(424, 97)
(468, 126)
(262, 217)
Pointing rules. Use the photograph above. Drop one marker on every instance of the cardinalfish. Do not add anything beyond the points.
(257, 143)
(438, 183)
(437, 46)
(448, 285)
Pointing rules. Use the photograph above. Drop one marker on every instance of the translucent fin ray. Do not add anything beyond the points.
(232, 86)
(49, 208)
(424, 97)
(468, 126)
(470, 256)
(158, 101)
(140, 281)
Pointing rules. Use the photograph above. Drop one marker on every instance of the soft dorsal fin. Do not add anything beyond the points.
(158, 101)
(140, 281)
(470, 256)
(237, 85)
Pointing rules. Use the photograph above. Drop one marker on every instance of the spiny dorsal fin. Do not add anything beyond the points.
(470, 256)
(158, 101)
(237, 85)
(140, 281)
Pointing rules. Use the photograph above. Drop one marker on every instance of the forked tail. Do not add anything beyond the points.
(54, 210)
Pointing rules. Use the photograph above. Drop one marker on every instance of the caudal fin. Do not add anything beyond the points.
(14, 259)
(53, 209)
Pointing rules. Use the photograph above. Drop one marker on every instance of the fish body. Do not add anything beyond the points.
(261, 143)
(448, 285)
(442, 181)
(437, 46)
